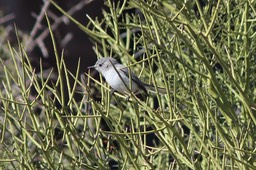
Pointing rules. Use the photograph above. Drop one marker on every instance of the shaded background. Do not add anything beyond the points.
(75, 44)
(24, 14)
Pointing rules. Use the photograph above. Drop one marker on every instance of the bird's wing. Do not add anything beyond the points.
(125, 70)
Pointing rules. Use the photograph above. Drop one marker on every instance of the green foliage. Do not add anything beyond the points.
(202, 53)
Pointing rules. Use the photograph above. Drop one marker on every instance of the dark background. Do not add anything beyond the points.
(69, 38)
(24, 14)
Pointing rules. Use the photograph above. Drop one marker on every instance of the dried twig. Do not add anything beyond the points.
(57, 21)
(30, 44)
(6, 18)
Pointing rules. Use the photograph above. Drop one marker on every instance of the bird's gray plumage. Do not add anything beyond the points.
(118, 76)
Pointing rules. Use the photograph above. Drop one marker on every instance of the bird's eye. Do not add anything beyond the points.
(100, 65)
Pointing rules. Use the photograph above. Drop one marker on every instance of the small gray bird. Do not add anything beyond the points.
(118, 77)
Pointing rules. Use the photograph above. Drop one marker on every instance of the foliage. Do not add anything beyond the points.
(203, 53)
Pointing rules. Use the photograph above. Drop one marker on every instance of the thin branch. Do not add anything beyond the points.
(29, 47)
(6, 18)
(57, 21)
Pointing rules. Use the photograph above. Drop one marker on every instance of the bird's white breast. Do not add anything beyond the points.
(116, 81)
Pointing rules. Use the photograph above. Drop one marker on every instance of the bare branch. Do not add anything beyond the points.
(57, 21)
(7, 18)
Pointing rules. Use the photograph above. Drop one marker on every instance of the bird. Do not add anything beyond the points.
(121, 79)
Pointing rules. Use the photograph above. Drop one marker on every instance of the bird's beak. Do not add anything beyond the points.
(91, 67)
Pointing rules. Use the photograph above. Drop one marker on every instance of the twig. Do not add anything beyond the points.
(29, 47)
(7, 18)
(57, 22)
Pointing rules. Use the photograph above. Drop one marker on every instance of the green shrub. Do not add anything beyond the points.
(202, 53)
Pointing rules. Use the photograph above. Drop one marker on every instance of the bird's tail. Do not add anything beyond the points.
(155, 89)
